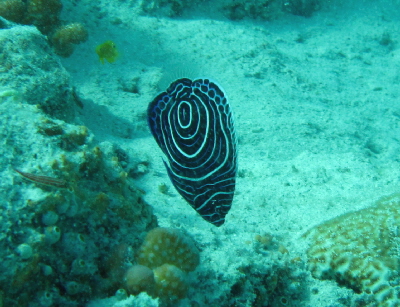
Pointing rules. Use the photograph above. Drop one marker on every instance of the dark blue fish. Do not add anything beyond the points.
(193, 125)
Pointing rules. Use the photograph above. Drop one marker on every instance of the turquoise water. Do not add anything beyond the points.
(313, 87)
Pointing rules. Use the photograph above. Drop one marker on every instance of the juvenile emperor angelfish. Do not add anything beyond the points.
(193, 124)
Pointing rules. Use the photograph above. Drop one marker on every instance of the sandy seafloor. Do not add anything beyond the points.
(318, 120)
(316, 106)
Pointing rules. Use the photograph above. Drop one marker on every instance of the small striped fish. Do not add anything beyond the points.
(193, 125)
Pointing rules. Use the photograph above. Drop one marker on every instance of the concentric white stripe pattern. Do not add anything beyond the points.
(193, 124)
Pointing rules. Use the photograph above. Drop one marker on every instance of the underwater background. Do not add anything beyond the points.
(88, 214)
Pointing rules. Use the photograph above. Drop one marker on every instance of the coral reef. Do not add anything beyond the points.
(252, 273)
(170, 8)
(265, 10)
(167, 245)
(13, 10)
(141, 300)
(66, 37)
(233, 9)
(71, 219)
(164, 258)
(171, 282)
(360, 250)
(45, 15)
(140, 278)
(74, 246)
(259, 273)
(34, 73)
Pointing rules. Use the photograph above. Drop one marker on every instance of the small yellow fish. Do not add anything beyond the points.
(107, 50)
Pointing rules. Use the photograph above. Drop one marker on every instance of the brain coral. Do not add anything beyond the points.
(66, 37)
(166, 245)
(170, 282)
(360, 250)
